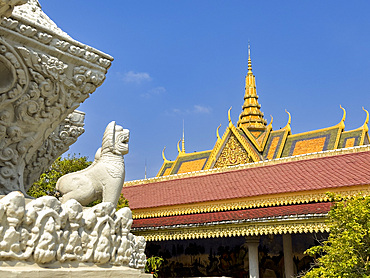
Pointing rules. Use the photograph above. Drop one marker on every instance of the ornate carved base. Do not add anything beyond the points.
(44, 235)
(9, 270)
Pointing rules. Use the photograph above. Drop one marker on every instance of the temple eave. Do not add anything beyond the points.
(301, 224)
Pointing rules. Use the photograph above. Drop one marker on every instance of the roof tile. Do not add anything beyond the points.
(311, 174)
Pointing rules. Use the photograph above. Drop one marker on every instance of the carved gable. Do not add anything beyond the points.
(233, 153)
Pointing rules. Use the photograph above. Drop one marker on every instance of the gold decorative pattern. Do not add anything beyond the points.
(256, 133)
(261, 141)
(189, 166)
(309, 146)
(350, 142)
(303, 226)
(251, 202)
(167, 171)
(272, 148)
(216, 149)
(254, 155)
(232, 154)
(328, 153)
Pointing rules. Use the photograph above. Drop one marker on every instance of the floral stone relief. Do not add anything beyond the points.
(45, 76)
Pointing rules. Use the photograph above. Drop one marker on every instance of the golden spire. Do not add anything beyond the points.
(249, 60)
(251, 116)
(183, 136)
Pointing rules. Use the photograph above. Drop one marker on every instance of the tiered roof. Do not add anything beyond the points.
(279, 196)
(254, 181)
(253, 140)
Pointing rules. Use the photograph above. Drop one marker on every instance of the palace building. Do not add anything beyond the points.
(251, 205)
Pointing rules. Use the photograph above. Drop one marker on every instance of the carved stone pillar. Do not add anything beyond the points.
(253, 243)
(44, 76)
(288, 255)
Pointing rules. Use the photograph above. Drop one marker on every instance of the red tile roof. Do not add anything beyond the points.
(304, 175)
(255, 213)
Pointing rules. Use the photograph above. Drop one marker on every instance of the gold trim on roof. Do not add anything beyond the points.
(287, 126)
(327, 153)
(217, 148)
(289, 198)
(367, 118)
(365, 128)
(229, 117)
(233, 153)
(253, 154)
(165, 160)
(221, 144)
(217, 133)
(282, 227)
(341, 124)
(259, 147)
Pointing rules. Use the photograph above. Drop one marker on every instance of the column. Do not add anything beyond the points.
(253, 243)
(288, 255)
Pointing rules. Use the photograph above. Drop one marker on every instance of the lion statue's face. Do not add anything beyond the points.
(122, 137)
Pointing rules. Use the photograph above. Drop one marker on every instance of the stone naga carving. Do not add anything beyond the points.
(105, 176)
(49, 233)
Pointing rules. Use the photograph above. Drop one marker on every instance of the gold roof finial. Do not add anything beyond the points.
(341, 123)
(272, 119)
(249, 60)
(251, 116)
(178, 146)
(229, 117)
(163, 156)
(217, 133)
(344, 113)
(287, 126)
(367, 116)
(364, 126)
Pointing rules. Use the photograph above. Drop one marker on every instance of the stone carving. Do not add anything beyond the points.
(105, 176)
(7, 6)
(45, 232)
(55, 145)
(32, 12)
(45, 75)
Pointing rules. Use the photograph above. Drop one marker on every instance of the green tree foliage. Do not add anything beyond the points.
(153, 265)
(45, 185)
(346, 253)
(122, 202)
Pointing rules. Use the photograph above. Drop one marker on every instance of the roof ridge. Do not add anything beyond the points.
(277, 161)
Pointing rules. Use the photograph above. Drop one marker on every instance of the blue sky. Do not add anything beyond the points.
(186, 60)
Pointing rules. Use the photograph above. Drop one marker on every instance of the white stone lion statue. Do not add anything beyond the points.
(104, 178)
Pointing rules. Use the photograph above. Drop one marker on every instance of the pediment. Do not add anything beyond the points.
(233, 153)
